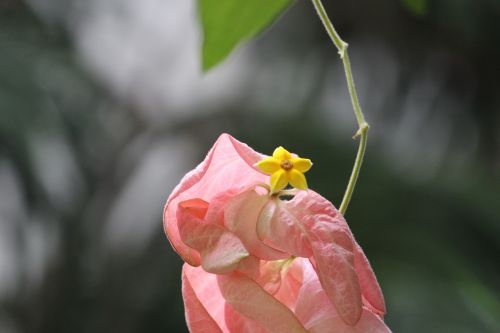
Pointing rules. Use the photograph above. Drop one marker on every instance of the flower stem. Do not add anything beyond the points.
(362, 124)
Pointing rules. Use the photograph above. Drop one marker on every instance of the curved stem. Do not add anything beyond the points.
(355, 171)
(362, 124)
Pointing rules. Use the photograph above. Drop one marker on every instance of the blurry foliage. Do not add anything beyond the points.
(418, 7)
(434, 242)
(44, 94)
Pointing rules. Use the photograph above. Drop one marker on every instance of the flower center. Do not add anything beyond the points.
(286, 164)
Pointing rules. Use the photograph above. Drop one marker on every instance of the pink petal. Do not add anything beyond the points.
(280, 278)
(334, 259)
(370, 289)
(241, 215)
(281, 229)
(249, 299)
(208, 292)
(228, 164)
(237, 323)
(368, 282)
(196, 207)
(215, 212)
(266, 273)
(291, 282)
(332, 248)
(270, 275)
(220, 249)
(319, 316)
(197, 317)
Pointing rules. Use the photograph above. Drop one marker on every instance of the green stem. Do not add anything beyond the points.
(362, 124)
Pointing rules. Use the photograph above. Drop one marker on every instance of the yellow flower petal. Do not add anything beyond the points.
(269, 165)
(282, 154)
(301, 164)
(278, 180)
(297, 179)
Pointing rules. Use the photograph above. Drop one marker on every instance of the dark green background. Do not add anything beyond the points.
(426, 209)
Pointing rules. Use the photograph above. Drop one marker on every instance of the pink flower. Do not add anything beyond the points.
(267, 264)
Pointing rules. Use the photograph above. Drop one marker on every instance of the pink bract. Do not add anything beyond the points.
(228, 164)
(267, 264)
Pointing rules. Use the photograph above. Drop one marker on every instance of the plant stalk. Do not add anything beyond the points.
(362, 124)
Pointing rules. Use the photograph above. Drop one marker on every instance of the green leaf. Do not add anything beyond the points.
(418, 7)
(226, 23)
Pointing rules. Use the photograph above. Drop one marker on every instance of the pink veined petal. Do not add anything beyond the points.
(207, 290)
(281, 229)
(264, 221)
(371, 292)
(249, 299)
(291, 282)
(368, 282)
(280, 278)
(220, 249)
(228, 164)
(236, 323)
(335, 266)
(266, 273)
(370, 289)
(270, 275)
(241, 215)
(215, 212)
(195, 207)
(332, 248)
(197, 317)
(317, 314)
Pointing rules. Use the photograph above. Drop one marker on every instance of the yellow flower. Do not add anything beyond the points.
(285, 169)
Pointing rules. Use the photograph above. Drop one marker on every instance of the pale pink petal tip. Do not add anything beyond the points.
(228, 164)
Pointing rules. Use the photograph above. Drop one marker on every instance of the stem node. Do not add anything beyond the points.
(363, 130)
(343, 50)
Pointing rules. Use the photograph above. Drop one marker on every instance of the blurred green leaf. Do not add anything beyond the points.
(418, 7)
(226, 23)
(482, 302)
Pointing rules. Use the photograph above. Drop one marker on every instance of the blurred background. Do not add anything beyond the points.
(103, 108)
